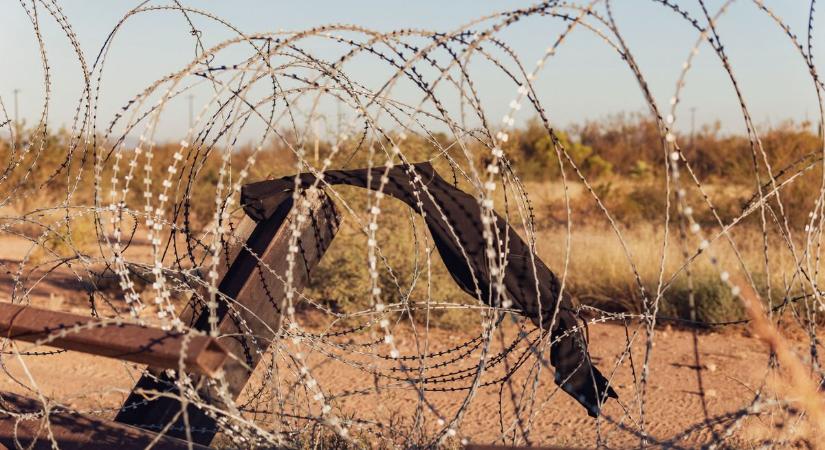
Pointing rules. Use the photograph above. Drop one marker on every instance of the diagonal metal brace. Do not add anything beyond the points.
(252, 274)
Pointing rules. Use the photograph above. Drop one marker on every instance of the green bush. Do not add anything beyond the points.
(713, 301)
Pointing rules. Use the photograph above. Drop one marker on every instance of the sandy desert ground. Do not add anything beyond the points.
(730, 364)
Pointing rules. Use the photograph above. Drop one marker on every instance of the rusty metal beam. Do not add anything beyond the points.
(516, 447)
(71, 430)
(144, 345)
(250, 326)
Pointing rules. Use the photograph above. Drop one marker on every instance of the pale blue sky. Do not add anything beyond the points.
(586, 80)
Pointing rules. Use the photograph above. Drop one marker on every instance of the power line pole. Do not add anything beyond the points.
(16, 117)
(692, 125)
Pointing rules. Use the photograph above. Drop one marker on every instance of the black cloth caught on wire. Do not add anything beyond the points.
(454, 219)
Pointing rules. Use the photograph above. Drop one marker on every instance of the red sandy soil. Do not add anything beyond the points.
(732, 367)
(731, 364)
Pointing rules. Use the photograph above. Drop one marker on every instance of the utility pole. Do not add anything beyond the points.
(692, 125)
(317, 141)
(16, 117)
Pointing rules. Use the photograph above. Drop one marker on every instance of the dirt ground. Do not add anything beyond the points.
(731, 370)
(730, 365)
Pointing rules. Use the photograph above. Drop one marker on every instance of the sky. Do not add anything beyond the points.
(586, 80)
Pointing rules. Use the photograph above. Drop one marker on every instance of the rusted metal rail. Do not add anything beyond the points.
(510, 447)
(72, 431)
(145, 345)
(255, 317)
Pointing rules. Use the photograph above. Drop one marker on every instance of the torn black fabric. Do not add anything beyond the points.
(455, 221)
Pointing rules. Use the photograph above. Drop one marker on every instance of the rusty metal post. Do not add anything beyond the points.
(516, 447)
(145, 345)
(248, 327)
(72, 431)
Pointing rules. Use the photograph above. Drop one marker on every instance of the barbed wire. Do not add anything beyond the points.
(147, 230)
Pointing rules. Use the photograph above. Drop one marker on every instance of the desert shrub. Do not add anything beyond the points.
(341, 280)
(623, 140)
(66, 239)
(597, 167)
(641, 170)
(533, 154)
(631, 203)
(728, 206)
(799, 197)
(712, 300)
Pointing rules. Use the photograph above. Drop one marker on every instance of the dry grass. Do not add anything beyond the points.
(801, 388)
(600, 271)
